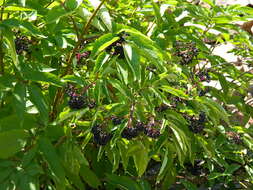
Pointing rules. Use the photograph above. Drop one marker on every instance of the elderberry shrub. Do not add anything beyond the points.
(197, 168)
(76, 102)
(130, 133)
(116, 120)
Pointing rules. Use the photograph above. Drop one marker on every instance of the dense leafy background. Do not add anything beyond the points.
(76, 76)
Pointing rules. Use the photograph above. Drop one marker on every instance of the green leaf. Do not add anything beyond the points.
(37, 98)
(133, 60)
(8, 36)
(121, 87)
(189, 185)
(23, 24)
(122, 181)
(55, 14)
(101, 43)
(12, 142)
(38, 76)
(103, 14)
(141, 158)
(89, 176)
(19, 94)
(174, 91)
(53, 161)
(100, 61)
(72, 4)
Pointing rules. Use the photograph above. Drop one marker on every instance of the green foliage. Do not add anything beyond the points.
(122, 94)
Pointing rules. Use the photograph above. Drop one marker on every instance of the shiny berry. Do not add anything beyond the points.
(116, 120)
(129, 133)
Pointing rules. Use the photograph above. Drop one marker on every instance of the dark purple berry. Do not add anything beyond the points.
(96, 129)
(129, 133)
(196, 126)
(76, 102)
(140, 126)
(102, 138)
(116, 120)
(196, 169)
(152, 132)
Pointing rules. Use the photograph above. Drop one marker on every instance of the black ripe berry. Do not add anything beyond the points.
(197, 168)
(100, 137)
(196, 126)
(152, 132)
(116, 120)
(130, 132)
(140, 126)
(204, 76)
(76, 102)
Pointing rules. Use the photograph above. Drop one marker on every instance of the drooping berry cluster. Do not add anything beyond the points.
(196, 169)
(100, 137)
(197, 124)
(77, 102)
(81, 57)
(116, 48)
(130, 133)
(149, 129)
(187, 51)
(22, 44)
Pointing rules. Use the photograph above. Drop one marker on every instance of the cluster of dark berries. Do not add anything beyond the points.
(116, 120)
(76, 101)
(187, 51)
(153, 168)
(100, 137)
(81, 57)
(116, 48)
(152, 132)
(131, 132)
(204, 76)
(196, 169)
(22, 44)
(197, 125)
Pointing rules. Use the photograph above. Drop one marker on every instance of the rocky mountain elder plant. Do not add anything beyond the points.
(123, 94)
